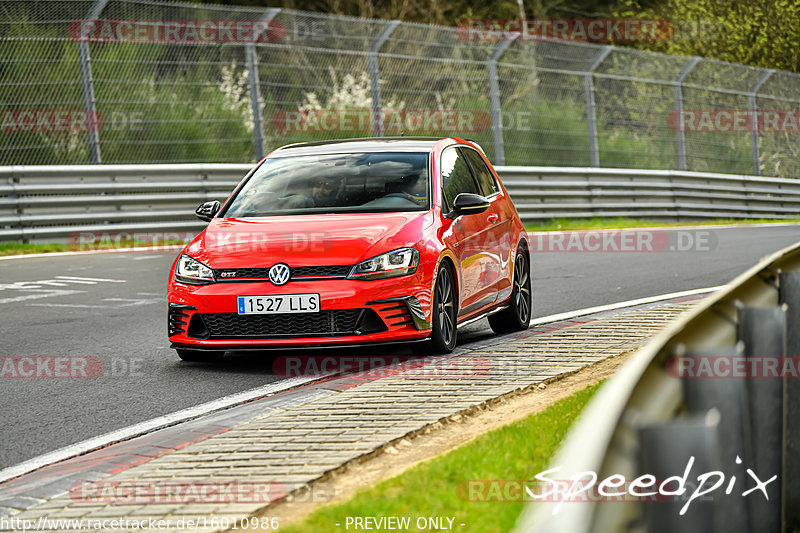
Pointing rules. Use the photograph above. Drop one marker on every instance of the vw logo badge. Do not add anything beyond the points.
(279, 274)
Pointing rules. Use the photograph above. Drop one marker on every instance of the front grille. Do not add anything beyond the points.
(225, 274)
(331, 323)
(318, 271)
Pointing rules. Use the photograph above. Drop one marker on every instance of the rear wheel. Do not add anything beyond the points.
(518, 313)
(198, 356)
(444, 332)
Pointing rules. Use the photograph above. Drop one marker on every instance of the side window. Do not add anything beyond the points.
(456, 176)
(481, 172)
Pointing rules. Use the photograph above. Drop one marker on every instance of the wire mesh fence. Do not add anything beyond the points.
(137, 81)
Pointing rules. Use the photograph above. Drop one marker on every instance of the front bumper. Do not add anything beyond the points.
(352, 312)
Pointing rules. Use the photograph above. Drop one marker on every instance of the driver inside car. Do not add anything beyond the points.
(323, 193)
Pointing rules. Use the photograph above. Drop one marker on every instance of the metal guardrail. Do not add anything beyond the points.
(41, 203)
(52, 202)
(650, 418)
(555, 192)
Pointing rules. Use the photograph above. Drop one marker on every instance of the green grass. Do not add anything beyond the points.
(622, 222)
(437, 487)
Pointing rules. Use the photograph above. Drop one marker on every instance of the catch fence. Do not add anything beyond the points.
(137, 81)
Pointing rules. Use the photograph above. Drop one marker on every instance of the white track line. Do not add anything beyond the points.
(242, 397)
(149, 426)
(629, 303)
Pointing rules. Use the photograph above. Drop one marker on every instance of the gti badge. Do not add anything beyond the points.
(227, 274)
(279, 274)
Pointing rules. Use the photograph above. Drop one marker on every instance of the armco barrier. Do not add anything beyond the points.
(720, 385)
(51, 202)
(41, 203)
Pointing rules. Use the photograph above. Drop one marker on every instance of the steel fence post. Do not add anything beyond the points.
(255, 86)
(789, 294)
(374, 76)
(751, 100)
(87, 86)
(591, 114)
(764, 332)
(679, 110)
(494, 100)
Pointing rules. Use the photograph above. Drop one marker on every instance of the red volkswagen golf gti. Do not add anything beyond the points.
(357, 241)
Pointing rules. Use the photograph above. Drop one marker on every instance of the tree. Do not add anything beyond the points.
(762, 33)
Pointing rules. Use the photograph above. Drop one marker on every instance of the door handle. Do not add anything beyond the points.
(491, 219)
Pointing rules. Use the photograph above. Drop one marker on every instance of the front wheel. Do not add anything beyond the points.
(199, 356)
(444, 329)
(517, 315)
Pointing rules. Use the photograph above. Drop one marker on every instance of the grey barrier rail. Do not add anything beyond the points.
(53, 202)
(678, 398)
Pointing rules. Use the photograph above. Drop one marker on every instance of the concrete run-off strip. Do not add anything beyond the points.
(236, 462)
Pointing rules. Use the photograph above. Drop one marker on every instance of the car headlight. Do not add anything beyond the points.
(389, 265)
(192, 271)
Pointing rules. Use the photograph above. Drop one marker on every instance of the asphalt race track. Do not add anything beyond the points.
(112, 307)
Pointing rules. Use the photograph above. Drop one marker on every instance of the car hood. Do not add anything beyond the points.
(306, 240)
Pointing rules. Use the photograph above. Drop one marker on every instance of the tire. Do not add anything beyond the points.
(198, 356)
(444, 333)
(517, 315)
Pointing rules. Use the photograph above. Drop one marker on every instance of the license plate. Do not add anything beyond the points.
(284, 303)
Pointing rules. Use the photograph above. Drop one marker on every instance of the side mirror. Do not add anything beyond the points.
(469, 204)
(207, 210)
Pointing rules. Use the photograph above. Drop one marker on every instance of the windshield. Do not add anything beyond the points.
(335, 183)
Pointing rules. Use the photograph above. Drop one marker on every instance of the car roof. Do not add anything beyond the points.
(368, 144)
